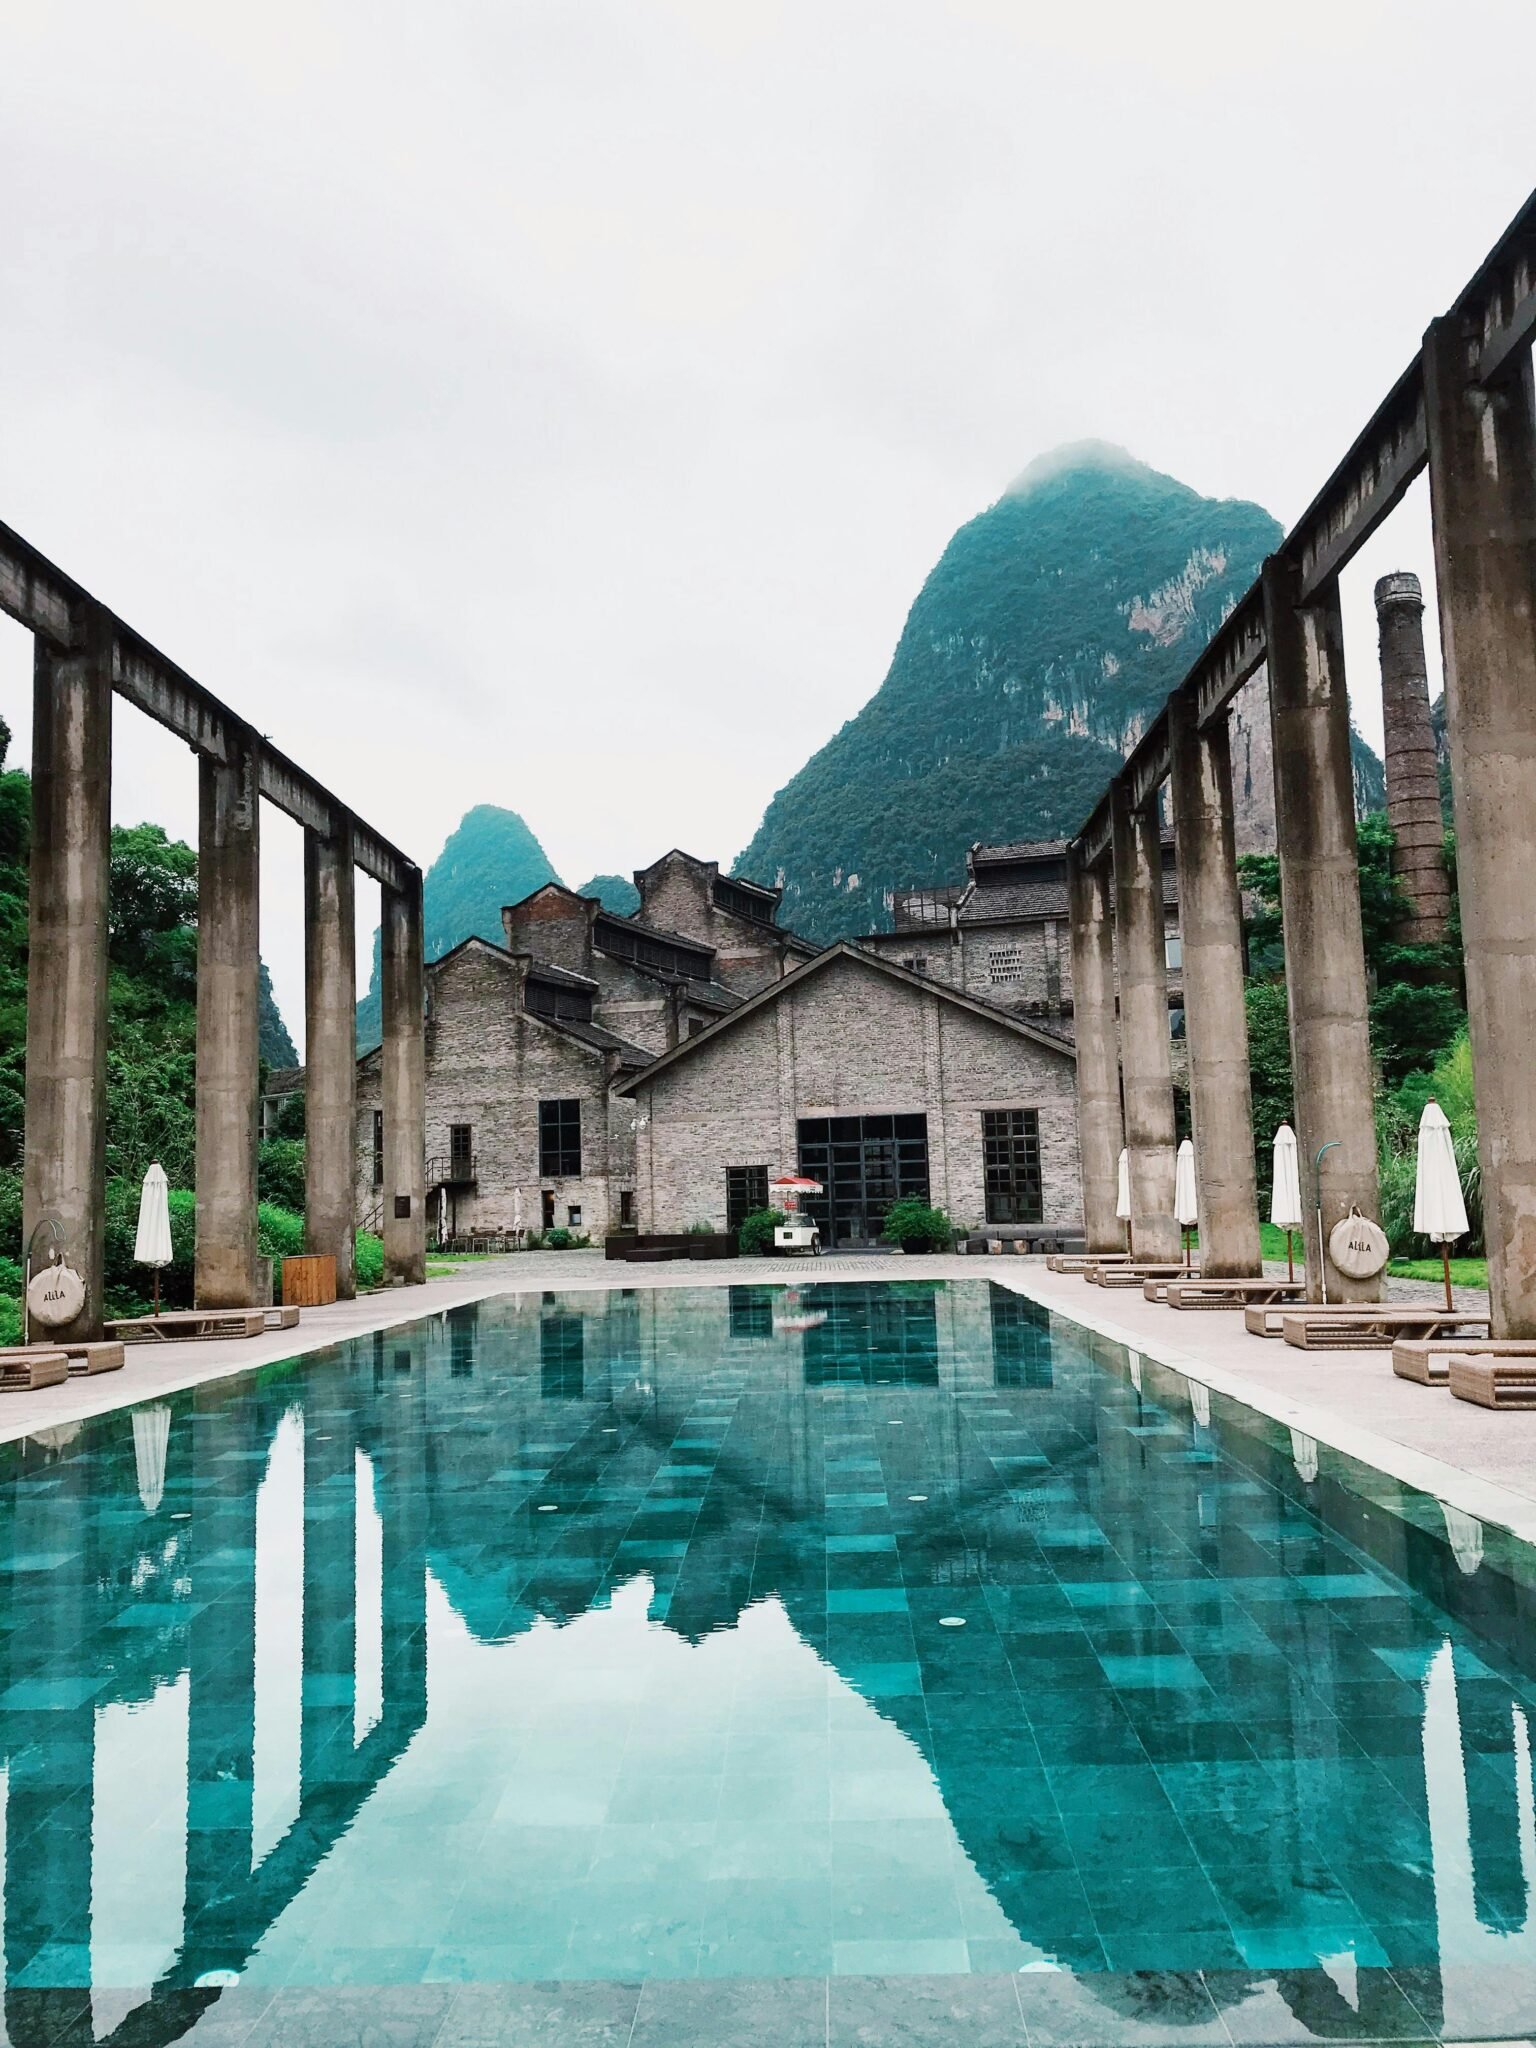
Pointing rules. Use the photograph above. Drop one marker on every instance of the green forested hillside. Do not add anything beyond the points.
(1052, 626)
(615, 892)
(491, 858)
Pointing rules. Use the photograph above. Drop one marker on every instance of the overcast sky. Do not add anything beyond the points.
(558, 403)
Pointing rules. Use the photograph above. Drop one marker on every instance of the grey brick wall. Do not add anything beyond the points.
(852, 1041)
(489, 1065)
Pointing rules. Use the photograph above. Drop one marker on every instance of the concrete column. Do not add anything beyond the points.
(330, 1053)
(1100, 1132)
(1413, 776)
(1145, 1054)
(228, 1022)
(1482, 474)
(1320, 906)
(405, 1086)
(65, 1167)
(1215, 1015)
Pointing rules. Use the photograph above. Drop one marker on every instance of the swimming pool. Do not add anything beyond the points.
(852, 1632)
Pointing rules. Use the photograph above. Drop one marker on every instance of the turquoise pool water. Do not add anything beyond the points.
(738, 1633)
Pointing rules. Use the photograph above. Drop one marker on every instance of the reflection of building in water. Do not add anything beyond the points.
(275, 1673)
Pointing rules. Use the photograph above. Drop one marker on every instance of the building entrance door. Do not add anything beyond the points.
(864, 1164)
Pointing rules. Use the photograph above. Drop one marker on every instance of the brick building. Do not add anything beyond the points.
(1002, 934)
(876, 1080)
(525, 1041)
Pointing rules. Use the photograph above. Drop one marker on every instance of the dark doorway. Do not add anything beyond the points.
(864, 1164)
(746, 1192)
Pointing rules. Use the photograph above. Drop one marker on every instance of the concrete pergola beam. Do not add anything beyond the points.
(84, 656)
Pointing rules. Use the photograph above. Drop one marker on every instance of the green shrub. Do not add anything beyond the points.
(756, 1232)
(279, 1232)
(10, 1318)
(916, 1227)
(562, 1240)
(370, 1259)
(280, 1173)
(700, 1230)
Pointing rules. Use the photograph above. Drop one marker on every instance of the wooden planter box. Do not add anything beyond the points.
(310, 1281)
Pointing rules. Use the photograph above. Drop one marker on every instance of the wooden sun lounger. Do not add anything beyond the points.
(1079, 1262)
(181, 1324)
(22, 1372)
(1365, 1327)
(1229, 1294)
(1137, 1273)
(1427, 1360)
(1495, 1382)
(80, 1358)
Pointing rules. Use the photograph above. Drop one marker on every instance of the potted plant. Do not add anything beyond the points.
(913, 1226)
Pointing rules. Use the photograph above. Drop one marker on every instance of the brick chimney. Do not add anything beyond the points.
(1413, 781)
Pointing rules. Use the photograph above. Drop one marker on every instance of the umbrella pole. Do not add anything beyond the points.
(1290, 1257)
(1445, 1255)
(157, 1290)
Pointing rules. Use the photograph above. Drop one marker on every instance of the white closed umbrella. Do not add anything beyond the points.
(152, 1245)
(1123, 1187)
(1285, 1196)
(1186, 1202)
(151, 1435)
(1439, 1207)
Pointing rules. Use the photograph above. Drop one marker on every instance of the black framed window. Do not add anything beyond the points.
(461, 1151)
(746, 1190)
(864, 1164)
(560, 1139)
(1010, 1142)
(378, 1148)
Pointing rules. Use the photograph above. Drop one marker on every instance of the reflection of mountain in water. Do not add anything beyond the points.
(242, 1697)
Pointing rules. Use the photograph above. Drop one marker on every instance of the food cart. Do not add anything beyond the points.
(796, 1233)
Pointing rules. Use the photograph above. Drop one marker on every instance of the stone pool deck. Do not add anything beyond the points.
(1475, 1459)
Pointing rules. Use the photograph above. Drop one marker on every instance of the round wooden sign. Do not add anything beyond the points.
(1358, 1247)
(55, 1296)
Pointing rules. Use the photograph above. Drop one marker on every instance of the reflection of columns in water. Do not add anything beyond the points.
(279, 1663)
(51, 1736)
(221, 1657)
(1481, 1871)
(330, 1595)
(400, 1490)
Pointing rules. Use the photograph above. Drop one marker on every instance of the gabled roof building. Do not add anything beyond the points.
(874, 1080)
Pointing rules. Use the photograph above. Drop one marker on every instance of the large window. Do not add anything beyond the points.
(1010, 1141)
(461, 1152)
(560, 1140)
(746, 1190)
(864, 1163)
